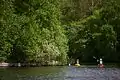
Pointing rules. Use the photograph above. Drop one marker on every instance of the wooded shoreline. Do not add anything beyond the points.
(46, 31)
(38, 65)
(17, 64)
(28, 64)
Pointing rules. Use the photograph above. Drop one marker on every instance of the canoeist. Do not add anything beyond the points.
(77, 63)
(101, 63)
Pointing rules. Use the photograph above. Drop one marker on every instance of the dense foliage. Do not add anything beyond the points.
(30, 31)
(96, 35)
(43, 31)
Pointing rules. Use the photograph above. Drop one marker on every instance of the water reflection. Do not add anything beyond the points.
(60, 73)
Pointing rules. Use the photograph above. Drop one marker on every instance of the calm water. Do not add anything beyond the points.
(60, 73)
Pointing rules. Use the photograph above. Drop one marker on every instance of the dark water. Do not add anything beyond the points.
(60, 73)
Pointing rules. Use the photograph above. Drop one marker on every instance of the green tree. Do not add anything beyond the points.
(31, 32)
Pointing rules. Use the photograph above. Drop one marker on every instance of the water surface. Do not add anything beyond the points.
(60, 73)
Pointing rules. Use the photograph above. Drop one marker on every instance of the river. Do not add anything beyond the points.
(59, 73)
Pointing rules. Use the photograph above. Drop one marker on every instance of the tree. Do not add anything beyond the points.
(31, 32)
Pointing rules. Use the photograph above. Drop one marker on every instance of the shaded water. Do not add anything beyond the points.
(60, 73)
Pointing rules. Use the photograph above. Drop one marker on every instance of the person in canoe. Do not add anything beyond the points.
(100, 62)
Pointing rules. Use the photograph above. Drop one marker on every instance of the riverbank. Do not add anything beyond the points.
(29, 64)
(39, 65)
(17, 64)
